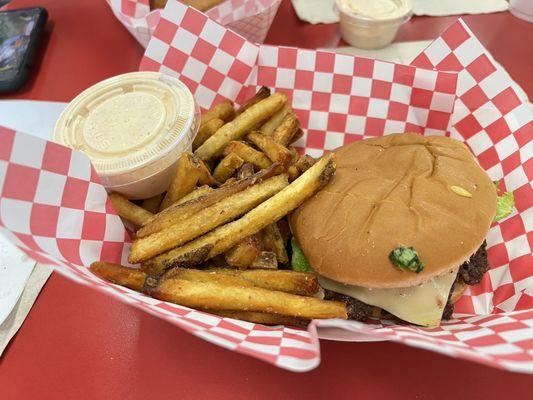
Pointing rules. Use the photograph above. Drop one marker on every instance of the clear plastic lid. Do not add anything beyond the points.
(370, 11)
(131, 126)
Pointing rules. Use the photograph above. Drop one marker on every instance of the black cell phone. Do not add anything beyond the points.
(20, 33)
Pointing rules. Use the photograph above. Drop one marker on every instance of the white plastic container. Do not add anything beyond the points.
(522, 9)
(133, 127)
(364, 25)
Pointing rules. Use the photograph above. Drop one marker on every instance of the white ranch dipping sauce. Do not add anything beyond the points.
(376, 9)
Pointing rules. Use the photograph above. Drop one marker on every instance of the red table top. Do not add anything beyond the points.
(79, 343)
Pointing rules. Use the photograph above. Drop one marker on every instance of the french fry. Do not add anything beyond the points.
(248, 154)
(146, 247)
(286, 130)
(294, 154)
(240, 126)
(245, 171)
(223, 238)
(181, 211)
(205, 177)
(273, 241)
(114, 273)
(282, 280)
(184, 181)
(304, 162)
(265, 260)
(270, 125)
(196, 257)
(205, 131)
(202, 5)
(218, 296)
(273, 150)
(261, 317)
(229, 182)
(297, 135)
(129, 211)
(196, 193)
(293, 172)
(157, 4)
(152, 204)
(261, 94)
(223, 110)
(243, 254)
(227, 167)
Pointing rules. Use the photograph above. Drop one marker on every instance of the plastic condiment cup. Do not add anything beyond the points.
(522, 9)
(369, 33)
(133, 127)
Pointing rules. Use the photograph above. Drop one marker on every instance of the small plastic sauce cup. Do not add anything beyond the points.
(133, 127)
(366, 32)
(522, 9)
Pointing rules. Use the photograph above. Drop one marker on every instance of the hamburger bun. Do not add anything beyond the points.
(427, 192)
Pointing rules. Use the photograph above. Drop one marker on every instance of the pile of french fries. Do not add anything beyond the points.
(217, 239)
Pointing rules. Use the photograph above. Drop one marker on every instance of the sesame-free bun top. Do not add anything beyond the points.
(394, 191)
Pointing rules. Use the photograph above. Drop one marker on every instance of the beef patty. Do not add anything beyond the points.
(470, 272)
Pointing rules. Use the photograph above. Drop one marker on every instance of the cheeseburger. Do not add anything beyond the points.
(400, 229)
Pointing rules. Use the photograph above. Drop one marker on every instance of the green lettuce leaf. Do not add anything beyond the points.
(504, 203)
(504, 206)
(299, 262)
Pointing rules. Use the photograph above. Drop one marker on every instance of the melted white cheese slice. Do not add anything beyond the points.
(421, 305)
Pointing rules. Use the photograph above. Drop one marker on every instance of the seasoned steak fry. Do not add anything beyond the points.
(248, 154)
(129, 211)
(184, 181)
(227, 167)
(280, 280)
(218, 296)
(124, 276)
(261, 94)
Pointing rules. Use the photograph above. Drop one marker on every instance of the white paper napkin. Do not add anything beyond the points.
(15, 269)
(438, 8)
(20, 283)
(316, 11)
(36, 118)
(322, 11)
(14, 321)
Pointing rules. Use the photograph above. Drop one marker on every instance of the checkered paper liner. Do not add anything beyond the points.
(53, 207)
(338, 98)
(249, 18)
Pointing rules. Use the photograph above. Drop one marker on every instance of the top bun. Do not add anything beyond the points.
(394, 191)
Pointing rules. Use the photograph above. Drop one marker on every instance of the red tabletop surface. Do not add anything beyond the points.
(77, 343)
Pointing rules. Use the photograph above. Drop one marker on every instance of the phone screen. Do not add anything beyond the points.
(15, 33)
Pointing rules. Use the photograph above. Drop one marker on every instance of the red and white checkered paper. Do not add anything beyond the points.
(249, 18)
(52, 205)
